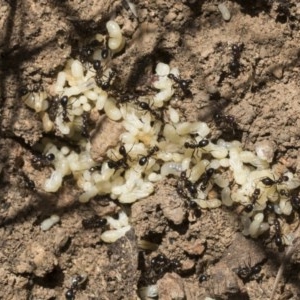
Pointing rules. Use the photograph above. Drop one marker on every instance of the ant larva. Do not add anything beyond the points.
(183, 84)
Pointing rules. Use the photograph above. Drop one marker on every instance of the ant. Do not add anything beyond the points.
(186, 183)
(248, 272)
(97, 66)
(93, 222)
(295, 202)
(183, 84)
(201, 144)
(64, 102)
(145, 159)
(77, 281)
(267, 181)
(122, 162)
(181, 192)
(203, 277)
(161, 264)
(145, 106)
(235, 64)
(105, 85)
(254, 197)
(87, 51)
(85, 54)
(95, 168)
(54, 105)
(85, 125)
(30, 89)
(226, 121)
(277, 236)
(193, 205)
(205, 178)
(28, 183)
(41, 160)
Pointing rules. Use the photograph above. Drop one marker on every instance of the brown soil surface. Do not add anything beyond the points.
(262, 93)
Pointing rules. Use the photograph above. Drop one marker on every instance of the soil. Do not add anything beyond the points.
(261, 91)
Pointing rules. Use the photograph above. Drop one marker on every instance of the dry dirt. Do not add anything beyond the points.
(263, 95)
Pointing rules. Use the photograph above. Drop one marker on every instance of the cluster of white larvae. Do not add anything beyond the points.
(237, 175)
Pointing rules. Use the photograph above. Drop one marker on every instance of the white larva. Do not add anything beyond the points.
(110, 236)
(77, 69)
(224, 11)
(111, 110)
(54, 182)
(48, 223)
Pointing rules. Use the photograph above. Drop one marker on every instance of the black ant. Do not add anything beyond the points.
(205, 178)
(270, 182)
(181, 192)
(63, 101)
(93, 222)
(295, 202)
(193, 205)
(186, 183)
(105, 85)
(201, 144)
(86, 52)
(144, 159)
(203, 277)
(124, 153)
(183, 84)
(28, 183)
(122, 162)
(95, 168)
(248, 272)
(85, 125)
(161, 264)
(254, 197)
(145, 106)
(235, 64)
(277, 235)
(40, 161)
(97, 66)
(30, 89)
(226, 122)
(77, 281)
